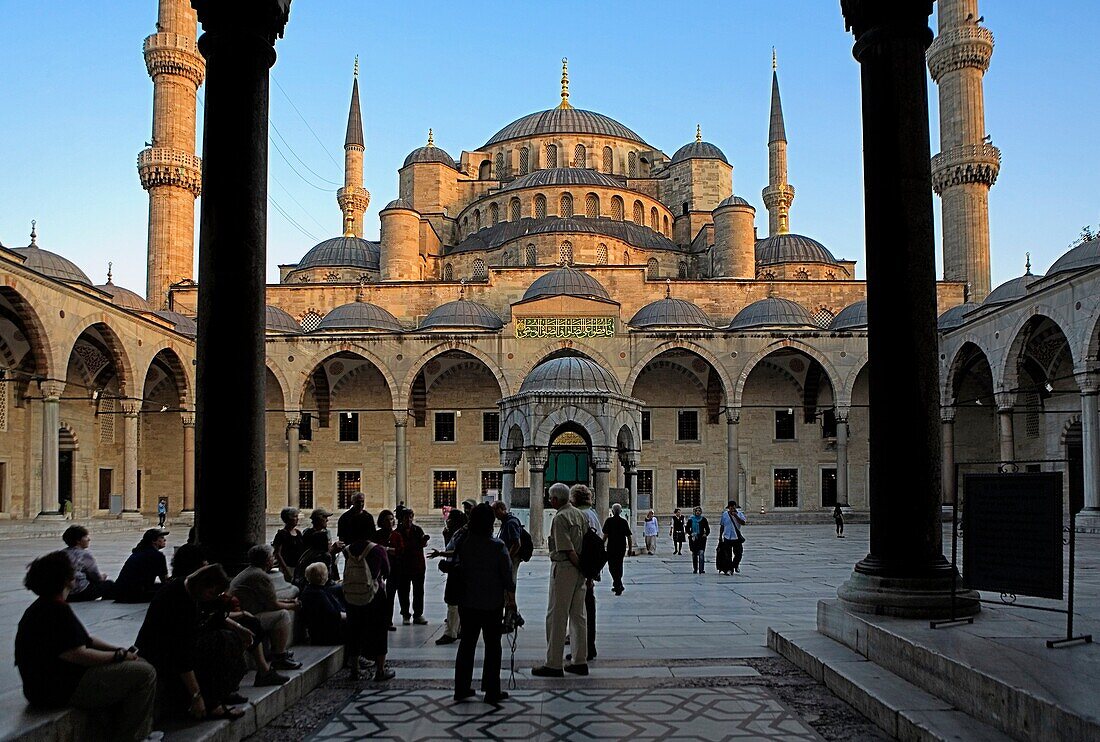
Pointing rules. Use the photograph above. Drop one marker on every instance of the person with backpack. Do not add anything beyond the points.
(365, 572)
(520, 549)
(567, 587)
(581, 497)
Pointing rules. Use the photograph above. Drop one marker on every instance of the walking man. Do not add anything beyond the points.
(619, 542)
(731, 538)
(566, 606)
(581, 497)
(698, 530)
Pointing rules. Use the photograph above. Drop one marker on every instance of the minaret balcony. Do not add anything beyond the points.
(174, 54)
(966, 46)
(164, 166)
(966, 163)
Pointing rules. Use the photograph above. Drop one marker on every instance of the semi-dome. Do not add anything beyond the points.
(501, 233)
(955, 316)
(733, 201)
(564, 176)
(699, 150)
(570, 375)
(670, 312)
(1085, 255)
(792, 248)
(181, 323)
(851, 317)
(563, 121)
(279, 321)
(353, 252)
(124, 298)
(566, 281)
(462, 315)
(399, 203)
(360, 315)
(1010, 291)
(51, 264)
(430, 153)
(773, 312)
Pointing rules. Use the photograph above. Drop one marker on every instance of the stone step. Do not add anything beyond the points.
(896, 706)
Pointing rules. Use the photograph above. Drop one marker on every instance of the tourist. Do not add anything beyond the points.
(581, 498)
(256, 594)
(355, 522)
(619, 542)
(511, 534)
(698, 530)
(650, 529)
(187, 560)
(366, 570)
(62, 666)
(89, 583)
(730, 540)
(317, 546)
(485, 571)
(288, 543)
(567, 588)
(677, 531)
(838, 518)
(391, 539)
(412, 568)
(137, 582)
(162, 511)
(454, 532)
(323, 611)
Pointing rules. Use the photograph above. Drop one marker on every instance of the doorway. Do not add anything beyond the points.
(570, 457)
(66, 457)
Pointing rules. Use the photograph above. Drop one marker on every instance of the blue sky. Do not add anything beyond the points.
(75, 108)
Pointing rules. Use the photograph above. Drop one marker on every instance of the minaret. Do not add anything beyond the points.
(967, 165)
(353, 197)
(779, 194)
(168, 167)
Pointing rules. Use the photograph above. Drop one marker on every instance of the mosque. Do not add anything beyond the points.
(565, 302)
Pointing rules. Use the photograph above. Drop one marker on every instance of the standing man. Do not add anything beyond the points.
(566, 606)
(731, 538)
(619, 542)
(511, 531)
(162, 511)
(581, 497)
(412, 568)
(355, 521)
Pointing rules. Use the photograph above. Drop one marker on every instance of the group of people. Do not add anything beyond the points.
(695, 530)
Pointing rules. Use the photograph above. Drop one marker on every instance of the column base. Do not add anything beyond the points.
(1088, 521)
(131, 515)
(907, 597)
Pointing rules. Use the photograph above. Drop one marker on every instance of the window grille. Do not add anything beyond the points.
(494, 214)
(490, 427)
(682, 270)
(4, 406)
(592, 206)
(566, 253)
(530, 255)
(565, 208)
(652, 270)
(632, 165)
(653, 224)
(687, 425)
(349, 426)
(828, 488)
(309, 321)
(492, 481)
(481, 273)
(347, 484)
(551, 155)
(445, 427)
(639, 213)
(106, 419)
(514, 210)
(477, 219)
(616, 208)
(785, 488)
(305, 490)
(540, 206)
(608, 160)
(802, 275)
(444, 489)
(332, 277)
(448, 272)
(580, 156)
(601, 254)
(784, 425)
(647, 425)
(645, 489)
(822, 317)
(689, 488)
(500, 166)
(524, 161)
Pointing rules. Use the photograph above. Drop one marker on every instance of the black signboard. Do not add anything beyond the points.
(1013, 533)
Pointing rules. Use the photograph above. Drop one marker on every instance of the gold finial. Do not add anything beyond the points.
(1027, 264)
(34, 235)
(431, 139)
(462, 290)
(349, 221)
(698, 133)
(564, 83)
(774, 65)
(356, 65)
(668, 288)
(110, 265)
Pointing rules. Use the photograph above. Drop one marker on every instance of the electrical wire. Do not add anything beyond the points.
(304, 121)
(299, 159)
(291, 197)
(287, 216)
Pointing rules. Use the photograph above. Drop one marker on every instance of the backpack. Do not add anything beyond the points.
(593, 555)
(526, 545)
(360, 586)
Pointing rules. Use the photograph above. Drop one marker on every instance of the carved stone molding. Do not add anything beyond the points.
(966, 163)
(959, 48)
(164, 166)
(173, 54)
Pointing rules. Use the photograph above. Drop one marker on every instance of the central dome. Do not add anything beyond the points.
(567, 176)
(570, 375)
(563, 121)
(566, 281)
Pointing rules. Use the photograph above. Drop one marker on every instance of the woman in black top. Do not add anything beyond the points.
(288, 543)
(137, 582)
(61, 665)
(677, 531)
(698, 530)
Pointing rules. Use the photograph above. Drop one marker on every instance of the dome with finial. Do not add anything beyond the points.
(566, 281)
(1013, 289)
(347, 251)
(671, 313)
(698, 150)
(570, 375)
(360, 316)
(49, 263)
(122, 297)
(462, 315)
(773, 312)
(430, 153)
(789, 247)
(733, 201)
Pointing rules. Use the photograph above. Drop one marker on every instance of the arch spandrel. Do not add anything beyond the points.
(405, 389)
(785, 343)
(699, 350)
(304, 377)
(575, 415)
(175, 362)
(124, 367)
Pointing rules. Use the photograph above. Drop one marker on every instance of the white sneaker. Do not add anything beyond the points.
(406, 621)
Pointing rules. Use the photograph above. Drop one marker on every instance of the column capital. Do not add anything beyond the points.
(1087, 381)
(947, 414)
(400, 418)
(51, 390)
(187, 417)
(509, 460)
(733, 415)
(1004, 401)
(293, 418)
(130, 407)
(841, 413)
(267, 18)
(537, 458)
(873, 22)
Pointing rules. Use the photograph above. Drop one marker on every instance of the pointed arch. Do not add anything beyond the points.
(568, 348)
(696, 348)
(405, 388)
(1005, 366)
(120, 359)
(785, 344)
(571, 414)
(304, 377)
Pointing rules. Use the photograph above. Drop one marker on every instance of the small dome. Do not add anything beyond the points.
(791, 248)
(851, 317)
(125, 298)
(461, 315)
(183, 324)
(399, 203)
(430, 154)
(1085, 255)
(51, 264)
(669, 312)
(570, 375)
(773, 312)
(1010, 291)
(360, 315)
(279, 321)
(564, 176)
(351, 252)
(563, 121)
(734, 201)
(698, 151)
(566, 281)
(955, 316)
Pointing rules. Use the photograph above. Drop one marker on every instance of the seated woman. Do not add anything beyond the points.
(323, 608)
(61, 665)
(137, 582)
(90, 584)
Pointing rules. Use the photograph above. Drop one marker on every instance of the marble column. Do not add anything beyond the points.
(733, 458)
(947, 468)
(632, 485)
(842, 457)
(537, 467)
(1005, 436)
(602, 482)
(188, 419)
(905, 572)
(508, 462)
(1090, 451)
(131, 408)
(401, 465)
(238, 43)
(293, 457)
(51, 424)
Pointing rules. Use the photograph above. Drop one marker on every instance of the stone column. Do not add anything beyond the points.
(1090, 450)
(947, 469)
(188, 418)
(293, 457)
(842, 457)
(1005, 435)
(537, 463)
(401, 452)
(733, 458)
(632, 484)
(508, 462)
(905, 573)
(238, 45)
(131, 408)
(51, 424)
(602, 482)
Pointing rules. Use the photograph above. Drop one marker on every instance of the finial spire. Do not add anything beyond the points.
(698, 132)
(349, 223)
(431, 138)
(564, 83)
(34, 234)
(354, 136)
(110, 265)
(668, 288)
(1027, 264)
(774, 65)
(356, 73)
(462, 290)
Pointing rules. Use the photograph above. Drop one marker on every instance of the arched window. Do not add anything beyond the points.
(565, 208)
(802, 275)
(477, 218)
(652, 270)
(513, 210)
(551, 155)
(626, 257)
(500, 166)
(485, 170)
(617, 208)
(310, 320)
(530, 255)
(608, 160)
(524, 160)
(448, 272)
(592, 206)
(601, 254)
(540, 206)
(480, 272)
(580, 156)
(666, 226)
(653, 223)
(332, 277)
(494, 213)
(565, 253)
(682, 270)
(639, 213)
(632, 165)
